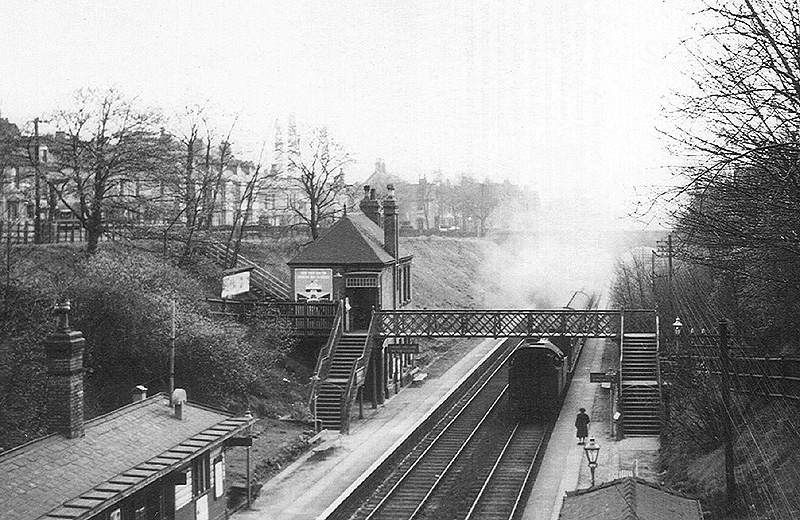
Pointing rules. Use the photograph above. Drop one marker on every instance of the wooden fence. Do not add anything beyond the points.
(306, 318)
(52, 232)
(768, 376)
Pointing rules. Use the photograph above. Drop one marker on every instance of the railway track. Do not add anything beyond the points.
(474, 463)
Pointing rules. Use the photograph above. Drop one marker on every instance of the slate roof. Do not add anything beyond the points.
(354, 239)
(123, 451)
(629, 498)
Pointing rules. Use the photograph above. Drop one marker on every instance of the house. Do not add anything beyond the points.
(629, 498)
(149, 460)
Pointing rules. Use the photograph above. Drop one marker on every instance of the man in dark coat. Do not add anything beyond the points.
(582, 425)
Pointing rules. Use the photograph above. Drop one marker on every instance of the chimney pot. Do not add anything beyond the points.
(139, 393)
(177, 400)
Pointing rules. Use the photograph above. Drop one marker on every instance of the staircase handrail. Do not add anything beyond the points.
(269, 282)
(621, 343)
(362, 361)
(658, 370)
(324, 356)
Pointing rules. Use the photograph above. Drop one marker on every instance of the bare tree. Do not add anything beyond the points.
(316, 168)
(109, 143)
(479, 199)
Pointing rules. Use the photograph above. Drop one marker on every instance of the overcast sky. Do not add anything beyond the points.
(556, 94)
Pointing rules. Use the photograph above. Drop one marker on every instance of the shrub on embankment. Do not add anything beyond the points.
(122, 300)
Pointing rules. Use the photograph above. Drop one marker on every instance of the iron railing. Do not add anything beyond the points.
(498, 323)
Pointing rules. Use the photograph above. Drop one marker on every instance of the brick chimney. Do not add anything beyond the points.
(370, 206)
(391, 231)
(64, 350)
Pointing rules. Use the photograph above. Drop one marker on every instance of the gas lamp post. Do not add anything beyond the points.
(678, 328)
(592, 450)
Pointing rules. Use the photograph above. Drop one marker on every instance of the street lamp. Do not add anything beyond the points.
(677, 326)
(592, 451)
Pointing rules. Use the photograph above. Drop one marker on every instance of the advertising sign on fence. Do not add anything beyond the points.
(313, 285)
(235, 282)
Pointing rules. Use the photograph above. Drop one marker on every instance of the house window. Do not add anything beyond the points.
(201, 475)
(219, 476)
(13, 209)
(361, 281)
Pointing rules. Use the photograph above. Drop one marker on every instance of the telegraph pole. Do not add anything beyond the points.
(37, 217)
(727, 427)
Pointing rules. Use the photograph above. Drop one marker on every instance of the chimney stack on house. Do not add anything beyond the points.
(391, 237)
(139, 393)
(370, 206)
(64, 350)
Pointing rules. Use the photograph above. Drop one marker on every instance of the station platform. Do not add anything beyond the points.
(311, 485)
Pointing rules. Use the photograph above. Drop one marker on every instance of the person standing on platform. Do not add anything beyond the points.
(582, 425)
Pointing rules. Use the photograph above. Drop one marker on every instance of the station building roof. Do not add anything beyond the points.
(354, 239)
(629, 498)
(120, 453)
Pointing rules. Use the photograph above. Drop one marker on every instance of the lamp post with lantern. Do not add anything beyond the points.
(592, 450)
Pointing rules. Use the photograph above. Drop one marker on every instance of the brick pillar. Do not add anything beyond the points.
(64, 350)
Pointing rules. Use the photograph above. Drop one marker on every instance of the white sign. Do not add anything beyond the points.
(313, 285)
(236, 283)
(201, 508)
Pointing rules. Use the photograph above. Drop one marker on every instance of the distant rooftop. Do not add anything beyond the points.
(121, 452)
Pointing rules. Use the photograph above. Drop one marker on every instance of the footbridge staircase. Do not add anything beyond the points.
(342, 363)
(640, 388)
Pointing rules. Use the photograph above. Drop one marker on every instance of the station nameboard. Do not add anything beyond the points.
(602, 377)
(361, 375)
(405, 348)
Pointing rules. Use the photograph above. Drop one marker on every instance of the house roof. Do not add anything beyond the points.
(120, 453)
(629, 498)
(354, 239)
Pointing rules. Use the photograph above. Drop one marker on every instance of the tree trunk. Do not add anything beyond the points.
(93, 234)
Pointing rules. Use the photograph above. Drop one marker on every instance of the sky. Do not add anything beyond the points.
(561, 95)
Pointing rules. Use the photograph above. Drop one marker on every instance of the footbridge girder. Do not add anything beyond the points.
(497, 323)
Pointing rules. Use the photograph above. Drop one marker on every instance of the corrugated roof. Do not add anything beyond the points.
(629, 498)
(354, 239)
(121, 452)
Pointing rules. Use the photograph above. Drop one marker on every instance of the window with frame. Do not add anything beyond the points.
(201, 474)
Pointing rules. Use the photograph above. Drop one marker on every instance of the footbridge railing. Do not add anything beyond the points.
(498, 323)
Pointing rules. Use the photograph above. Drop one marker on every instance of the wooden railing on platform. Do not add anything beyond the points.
(307, 318)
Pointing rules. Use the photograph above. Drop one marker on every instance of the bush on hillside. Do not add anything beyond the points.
(122, 302)
(24, 322)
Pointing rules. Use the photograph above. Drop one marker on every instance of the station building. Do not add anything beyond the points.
(358, 261)
(153, 459)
